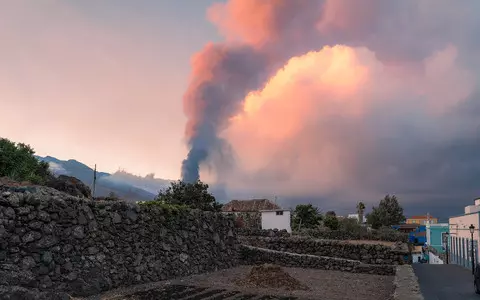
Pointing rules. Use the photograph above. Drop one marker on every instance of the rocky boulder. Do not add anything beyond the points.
(69, 185)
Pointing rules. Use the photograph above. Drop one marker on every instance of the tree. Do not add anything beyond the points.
(360, 211)
(194, 195)
(18, 162)
(389, 212)
(306, 216)
(330, 213)
(331, 221)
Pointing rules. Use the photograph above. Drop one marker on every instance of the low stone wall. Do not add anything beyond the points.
(253, 256)
(263, 232)
(55, 241)
(366, 253)
(361, 233)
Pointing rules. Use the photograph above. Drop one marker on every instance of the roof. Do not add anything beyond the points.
(406, 226)
(273, 210)
(253, 205)
(421, 217)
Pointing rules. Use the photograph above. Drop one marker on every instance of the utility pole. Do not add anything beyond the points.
(94, 180)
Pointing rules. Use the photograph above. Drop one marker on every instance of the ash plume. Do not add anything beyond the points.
(223, 74)
(261, 36)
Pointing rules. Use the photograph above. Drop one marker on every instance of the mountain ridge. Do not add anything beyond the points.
(125, 185)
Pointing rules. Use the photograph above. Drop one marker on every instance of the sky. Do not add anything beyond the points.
(324, 101)
(100, 81)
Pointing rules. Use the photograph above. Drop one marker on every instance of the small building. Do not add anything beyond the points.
(417, 254)
(436, 233)
(355, 216)
(459, 230)
(406, 228)
(276, 219)
(421, 220)
(247, 212)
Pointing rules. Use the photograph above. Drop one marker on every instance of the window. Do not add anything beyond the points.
(279, 213)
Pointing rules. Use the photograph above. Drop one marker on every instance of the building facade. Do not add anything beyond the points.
(276, 219)
(355, 216)
(461, 237)
(436, 234)
(421, 220)
(247, 212)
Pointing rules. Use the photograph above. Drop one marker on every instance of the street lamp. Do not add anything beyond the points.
(472, 230)
(446, 247)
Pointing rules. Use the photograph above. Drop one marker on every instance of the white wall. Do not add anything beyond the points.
(270, 220)
(434, 260)
(356, 216)
(459, 226)
(415, 257)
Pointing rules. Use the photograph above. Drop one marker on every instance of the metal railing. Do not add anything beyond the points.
(459, 251)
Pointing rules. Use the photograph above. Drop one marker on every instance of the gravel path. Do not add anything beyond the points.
(324, 285)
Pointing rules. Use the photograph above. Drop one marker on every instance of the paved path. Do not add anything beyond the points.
(445, 282)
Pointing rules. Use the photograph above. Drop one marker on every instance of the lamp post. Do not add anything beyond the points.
(472, 230)
(446, 247)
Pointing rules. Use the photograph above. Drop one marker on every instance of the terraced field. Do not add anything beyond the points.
(184, 292)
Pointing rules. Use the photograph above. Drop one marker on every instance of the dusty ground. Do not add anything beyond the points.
(323, 285)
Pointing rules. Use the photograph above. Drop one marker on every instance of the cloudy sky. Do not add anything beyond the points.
(327, 101)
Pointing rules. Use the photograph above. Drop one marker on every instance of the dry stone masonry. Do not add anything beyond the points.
(365, 253)
(51, 241)
(254, 256)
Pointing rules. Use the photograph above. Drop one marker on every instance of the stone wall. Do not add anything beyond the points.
(366, 253)
(253, 256)
(263, 232)
(55, 241)
(359, 233)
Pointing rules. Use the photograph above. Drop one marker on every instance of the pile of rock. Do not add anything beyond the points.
(69, 185)
(271, 276)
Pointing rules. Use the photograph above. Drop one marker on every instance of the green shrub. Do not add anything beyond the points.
(17, 161)
(193, 195)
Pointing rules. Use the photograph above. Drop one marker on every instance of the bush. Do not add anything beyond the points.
(17, 161)
(193, 195)
(331, 222)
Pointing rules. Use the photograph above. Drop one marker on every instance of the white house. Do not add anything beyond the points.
(355, 216)
(459, 225)
(276, 219)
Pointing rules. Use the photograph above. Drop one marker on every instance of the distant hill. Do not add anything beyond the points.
(127, 186)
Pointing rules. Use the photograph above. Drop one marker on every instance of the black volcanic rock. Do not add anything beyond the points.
(70, 185)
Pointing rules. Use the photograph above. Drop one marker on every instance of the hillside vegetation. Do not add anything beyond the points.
(18, 162)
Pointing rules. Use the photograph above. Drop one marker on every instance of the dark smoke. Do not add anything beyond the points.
(222, 77)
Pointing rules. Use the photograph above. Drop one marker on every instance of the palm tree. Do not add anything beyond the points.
(360, 210)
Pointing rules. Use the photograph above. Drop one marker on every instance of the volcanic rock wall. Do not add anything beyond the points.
(254, 256)
(365, 253)
(52, 241)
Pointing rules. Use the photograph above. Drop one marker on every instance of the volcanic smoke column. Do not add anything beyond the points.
(222, 75)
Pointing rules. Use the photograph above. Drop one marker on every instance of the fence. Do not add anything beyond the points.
(459, 251)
